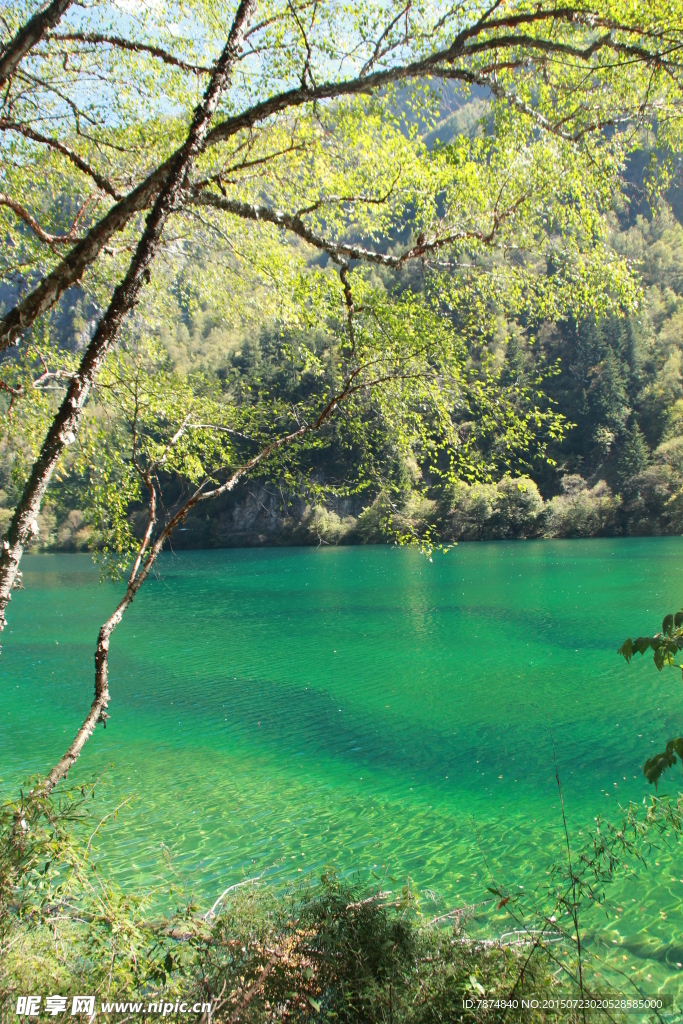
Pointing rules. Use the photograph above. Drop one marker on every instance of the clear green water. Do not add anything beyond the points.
(367, 709)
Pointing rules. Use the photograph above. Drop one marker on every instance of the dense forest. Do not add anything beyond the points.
(616, 383)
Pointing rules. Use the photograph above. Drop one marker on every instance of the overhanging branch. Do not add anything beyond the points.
(24, 215)
(60, 147)
(345, 251)
(96, 39)
(146, 557)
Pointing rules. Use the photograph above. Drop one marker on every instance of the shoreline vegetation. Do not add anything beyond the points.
(332, 949)
(510, 509)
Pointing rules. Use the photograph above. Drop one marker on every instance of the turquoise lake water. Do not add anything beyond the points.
(366, 709)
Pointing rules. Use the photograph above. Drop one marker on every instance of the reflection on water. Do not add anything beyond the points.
(369, 710)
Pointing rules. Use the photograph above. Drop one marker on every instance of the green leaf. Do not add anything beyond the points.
(655, 766)
(626, 649)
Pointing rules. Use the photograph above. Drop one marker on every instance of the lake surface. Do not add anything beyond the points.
(368, 710)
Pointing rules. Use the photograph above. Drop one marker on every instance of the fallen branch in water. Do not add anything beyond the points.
(232, 888)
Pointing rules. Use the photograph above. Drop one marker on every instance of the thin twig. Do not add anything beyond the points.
(571, 872)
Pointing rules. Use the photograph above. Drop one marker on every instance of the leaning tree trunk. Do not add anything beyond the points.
(61, 432)
(145, 559)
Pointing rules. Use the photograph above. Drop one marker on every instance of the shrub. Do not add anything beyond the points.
(580, 511)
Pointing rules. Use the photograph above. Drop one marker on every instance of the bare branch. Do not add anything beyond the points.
(350, 308)
(60, 147)
(44, 236)
(370, 200)
(379, 52)
(220, 180)
(13, 393)
(51, 375)
(343, 251)
(307, 65)
(174, 440)
(232, 888)
(95, 38)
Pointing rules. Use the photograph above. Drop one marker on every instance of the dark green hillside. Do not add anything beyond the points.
(616, 381)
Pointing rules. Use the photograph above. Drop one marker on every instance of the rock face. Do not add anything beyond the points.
(260, 514)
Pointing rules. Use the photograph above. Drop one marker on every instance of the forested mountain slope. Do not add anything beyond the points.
(618, 470)
(616, 381)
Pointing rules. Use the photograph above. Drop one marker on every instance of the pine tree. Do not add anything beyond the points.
(636, 453)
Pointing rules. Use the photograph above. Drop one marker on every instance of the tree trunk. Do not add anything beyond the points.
(27, 37)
